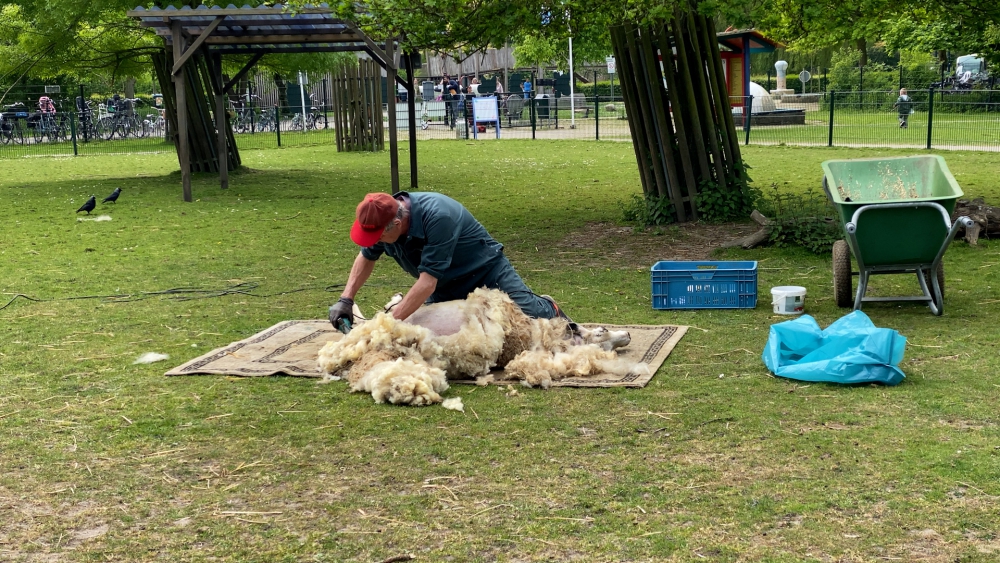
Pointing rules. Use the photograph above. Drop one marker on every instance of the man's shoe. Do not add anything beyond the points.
(559, 312)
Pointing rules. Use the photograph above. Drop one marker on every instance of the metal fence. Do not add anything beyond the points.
(583, 118)
(934, 119)
(937, 119)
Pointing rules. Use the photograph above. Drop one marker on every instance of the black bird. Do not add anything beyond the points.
(89, 205)
(113, 197)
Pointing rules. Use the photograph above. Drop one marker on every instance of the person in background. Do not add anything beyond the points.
(447, 97)
(499, 87)
(526, 88)
(904, 104)
(474, 87)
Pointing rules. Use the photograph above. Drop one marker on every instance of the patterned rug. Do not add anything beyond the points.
(291, 347)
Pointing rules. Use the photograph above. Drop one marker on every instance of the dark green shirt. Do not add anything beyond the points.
(444, 240)
(904, 104)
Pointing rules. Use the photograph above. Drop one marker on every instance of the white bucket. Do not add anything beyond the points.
(788, 299)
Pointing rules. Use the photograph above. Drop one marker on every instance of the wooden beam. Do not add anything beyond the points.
(290, 48)
(179, 62)
(390, 94)
(183, 152)
(243, 71)
(284, 38)
(411, 112)
(386, 60)
(220, 122)
(178, 14)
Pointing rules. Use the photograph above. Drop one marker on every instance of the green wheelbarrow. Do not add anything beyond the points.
(896, 214)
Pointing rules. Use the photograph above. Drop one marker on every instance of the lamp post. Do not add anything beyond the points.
(572, 100)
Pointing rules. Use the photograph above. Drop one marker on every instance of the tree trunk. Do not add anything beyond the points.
(662, 121)
(686, 162)
(986, 218)
(697, 137)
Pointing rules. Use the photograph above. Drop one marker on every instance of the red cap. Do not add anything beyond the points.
(374, 214)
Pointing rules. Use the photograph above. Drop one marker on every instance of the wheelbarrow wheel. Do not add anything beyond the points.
(940, 279)
(842, 274)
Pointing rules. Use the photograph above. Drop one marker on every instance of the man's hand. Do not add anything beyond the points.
(342, 309)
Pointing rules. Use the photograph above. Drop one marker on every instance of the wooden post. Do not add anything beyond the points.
(220, 124)
(412, 115)
(720, 76)
(180, 88)
(663, 128)
(390, 71)
(636, 126)
(723, 108)
(639, 86)
(683, 146)
(697, 138)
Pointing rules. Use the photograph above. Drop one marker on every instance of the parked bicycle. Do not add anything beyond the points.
(48, 123)
(265, 120)
(119, 118)
(251, 119)
(157, 122)
(313, 118)
(12, 124)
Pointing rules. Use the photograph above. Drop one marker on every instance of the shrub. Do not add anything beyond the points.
(808, 220)
(727, 203)
(643, 211)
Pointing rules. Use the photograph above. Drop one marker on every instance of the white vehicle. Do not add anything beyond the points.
(971, 64)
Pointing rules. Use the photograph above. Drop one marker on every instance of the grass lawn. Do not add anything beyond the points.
(715, 460)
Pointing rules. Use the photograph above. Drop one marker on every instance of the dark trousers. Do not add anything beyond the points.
(449, 109)
(500, 276)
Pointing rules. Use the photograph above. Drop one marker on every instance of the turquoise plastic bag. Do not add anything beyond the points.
(851, 350)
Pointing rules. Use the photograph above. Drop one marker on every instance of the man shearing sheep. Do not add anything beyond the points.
(437, 241)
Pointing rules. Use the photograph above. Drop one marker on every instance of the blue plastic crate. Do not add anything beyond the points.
(704, 285)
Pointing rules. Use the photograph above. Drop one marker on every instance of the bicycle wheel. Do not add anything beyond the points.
(138, 127)
(63, 130)
(106, 128)
(38, 131)
(17, 133)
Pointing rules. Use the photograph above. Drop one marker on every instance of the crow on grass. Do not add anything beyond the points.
(113, 197)
(89, 205)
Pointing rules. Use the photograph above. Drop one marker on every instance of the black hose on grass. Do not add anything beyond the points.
(178, 294)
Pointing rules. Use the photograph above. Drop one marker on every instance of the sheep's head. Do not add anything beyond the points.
(606, 339)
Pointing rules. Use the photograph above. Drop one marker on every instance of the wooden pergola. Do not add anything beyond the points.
(214, 32)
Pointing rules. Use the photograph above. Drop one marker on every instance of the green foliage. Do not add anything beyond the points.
(736, 201)
(845, 76)
(807, 220)
(647, 211)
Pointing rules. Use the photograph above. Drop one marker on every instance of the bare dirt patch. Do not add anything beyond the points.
(608, 244)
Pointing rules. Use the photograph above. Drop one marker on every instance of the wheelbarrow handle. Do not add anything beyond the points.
(935, 205)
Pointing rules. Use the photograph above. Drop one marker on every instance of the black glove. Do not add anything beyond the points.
(342, 309)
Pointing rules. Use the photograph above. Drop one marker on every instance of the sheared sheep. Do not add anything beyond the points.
(409, 362)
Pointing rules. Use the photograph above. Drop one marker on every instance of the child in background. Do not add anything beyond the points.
(904, 105)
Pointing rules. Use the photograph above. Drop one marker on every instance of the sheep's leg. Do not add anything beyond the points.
(396, 299)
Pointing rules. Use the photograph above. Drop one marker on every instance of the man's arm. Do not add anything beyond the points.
(418, 294)
(360, 272)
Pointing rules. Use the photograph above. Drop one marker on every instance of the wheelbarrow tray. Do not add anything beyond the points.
(896, 215)
(893, 235)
